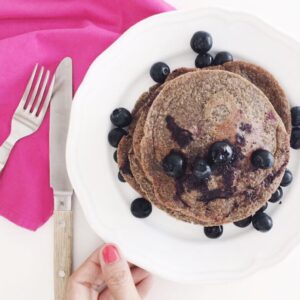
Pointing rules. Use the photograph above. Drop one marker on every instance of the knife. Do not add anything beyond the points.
(60, 108)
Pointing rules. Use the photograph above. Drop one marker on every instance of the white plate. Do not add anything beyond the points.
(173, 249)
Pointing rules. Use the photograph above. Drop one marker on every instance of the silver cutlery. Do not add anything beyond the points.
(62, 189)
(29, 113)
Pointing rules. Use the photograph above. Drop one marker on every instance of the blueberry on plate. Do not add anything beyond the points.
(263, 208)
(115, 135)
(174, 164)
(295, 111)
(141, 208)
(222, 57)
(221, 153)
(159, 72)
(276, 196)
(203, 60)
(262, 159)
(201, 169)
(262, 222)
(116, 156)
(243, 223)
(121, 178)
(295, 138)
(287, 178)
(213, 232)
(201, 42)
(121, 117)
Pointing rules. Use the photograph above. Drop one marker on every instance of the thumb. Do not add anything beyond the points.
(116, 274)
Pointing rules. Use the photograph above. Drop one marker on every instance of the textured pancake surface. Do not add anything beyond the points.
(266, 82)
(214, 106)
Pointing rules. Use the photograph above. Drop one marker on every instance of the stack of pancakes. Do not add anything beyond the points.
(237, 102)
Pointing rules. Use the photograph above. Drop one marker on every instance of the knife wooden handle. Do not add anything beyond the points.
(63, 232)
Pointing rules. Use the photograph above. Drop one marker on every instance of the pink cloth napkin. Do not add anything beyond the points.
(46, 31)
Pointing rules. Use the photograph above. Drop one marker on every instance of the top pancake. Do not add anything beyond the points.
(214, 106)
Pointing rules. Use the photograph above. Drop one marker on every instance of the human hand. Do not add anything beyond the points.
(106, 275)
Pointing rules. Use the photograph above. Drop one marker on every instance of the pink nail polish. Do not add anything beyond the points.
(110, 254)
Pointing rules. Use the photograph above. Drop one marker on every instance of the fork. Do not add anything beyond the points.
(29, 113)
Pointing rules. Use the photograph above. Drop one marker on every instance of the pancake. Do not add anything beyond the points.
(234, 105)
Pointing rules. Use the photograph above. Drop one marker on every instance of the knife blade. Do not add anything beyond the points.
(60, 108)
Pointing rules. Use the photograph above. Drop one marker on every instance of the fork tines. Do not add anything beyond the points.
(34, 101)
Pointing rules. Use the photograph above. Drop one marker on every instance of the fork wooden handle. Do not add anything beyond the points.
(62, 252)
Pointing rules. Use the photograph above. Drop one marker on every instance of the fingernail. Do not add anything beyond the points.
(110, 254)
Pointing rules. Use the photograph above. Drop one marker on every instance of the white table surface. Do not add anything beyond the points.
(26, 257)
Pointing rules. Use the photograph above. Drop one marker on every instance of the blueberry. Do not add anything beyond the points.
(201, 170)
(159, 72)
(262, 222)
(295, 138)
(295, 111)
(243, 223)
(262, 159)
(121, 178)
(121, 117)
(201, 42)
(213, 232)
(203, 60)
(263, 208)
(115, 135)
(276, 196)
(222, 57)
(221, 153)
(141, 208)
(116, 156)
(174, 164)
(287, 178)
